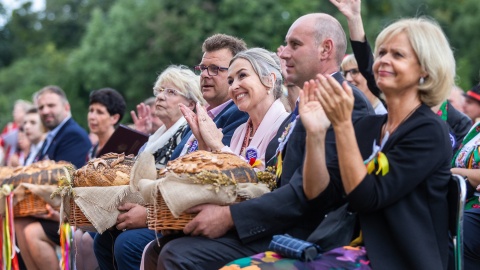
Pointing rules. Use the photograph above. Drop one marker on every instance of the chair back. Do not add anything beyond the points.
(457, 193)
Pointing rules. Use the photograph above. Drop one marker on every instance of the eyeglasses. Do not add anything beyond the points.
(212, 70)
(169, 92)
(353, 72)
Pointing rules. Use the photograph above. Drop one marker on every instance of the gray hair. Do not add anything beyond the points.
(184, 79)
(264, 63)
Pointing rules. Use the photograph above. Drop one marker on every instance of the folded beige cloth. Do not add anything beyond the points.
(99, 204)
(179, 190)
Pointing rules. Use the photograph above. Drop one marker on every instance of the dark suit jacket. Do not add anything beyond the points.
(286, 209)
(228, 120)
(70, 144)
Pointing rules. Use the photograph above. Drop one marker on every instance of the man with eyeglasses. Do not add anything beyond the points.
(218, 50)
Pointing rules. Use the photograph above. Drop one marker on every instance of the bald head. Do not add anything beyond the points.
(315, 43)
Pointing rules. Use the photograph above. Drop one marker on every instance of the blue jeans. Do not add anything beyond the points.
(115, 249)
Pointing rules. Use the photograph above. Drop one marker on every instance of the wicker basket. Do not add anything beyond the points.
(159, 217)
(30, 205)
(78, 219)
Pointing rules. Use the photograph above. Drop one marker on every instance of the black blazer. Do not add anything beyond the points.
(403, 214)
(70, 144)
(286, 209)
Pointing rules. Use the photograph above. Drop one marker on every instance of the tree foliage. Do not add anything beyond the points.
(82, 45)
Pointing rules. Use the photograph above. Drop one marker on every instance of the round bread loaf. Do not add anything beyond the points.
(45, 172)
(209, 165)
(108, 170)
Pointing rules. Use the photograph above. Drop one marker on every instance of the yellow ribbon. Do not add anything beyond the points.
(257, 163)
(382, 164)
(382, 161)
(278, 173)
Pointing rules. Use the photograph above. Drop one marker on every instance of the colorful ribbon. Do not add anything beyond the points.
(9, 258)
(66, 240)
(378, 159)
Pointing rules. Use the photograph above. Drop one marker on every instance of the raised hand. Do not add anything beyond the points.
(192, 120)
(349, 8)
(337, 102)
(212, 136)
(311, 112)
(142, 119)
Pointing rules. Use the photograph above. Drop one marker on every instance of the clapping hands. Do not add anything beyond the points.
(324, 101)
(209, 137)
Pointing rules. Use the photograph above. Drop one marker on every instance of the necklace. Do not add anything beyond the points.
(384, 128)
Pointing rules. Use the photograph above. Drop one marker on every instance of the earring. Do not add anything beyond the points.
(268, 92)
(421, 81)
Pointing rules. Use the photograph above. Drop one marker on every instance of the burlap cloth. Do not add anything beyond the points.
(98, 204)
(43, 191)
(181, 193)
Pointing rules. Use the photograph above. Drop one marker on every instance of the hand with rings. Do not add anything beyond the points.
(209, 137)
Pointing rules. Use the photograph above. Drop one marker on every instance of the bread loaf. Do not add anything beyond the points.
(45, 172)
(108, 170)
(5, 172)
(211, 164)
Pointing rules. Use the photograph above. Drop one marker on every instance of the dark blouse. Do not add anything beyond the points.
(162, 155)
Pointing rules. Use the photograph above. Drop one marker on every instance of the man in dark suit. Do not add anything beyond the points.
(67, 141)
(316, 44)
(218, 50)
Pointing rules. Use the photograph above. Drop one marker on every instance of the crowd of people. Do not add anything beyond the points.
(381, 130)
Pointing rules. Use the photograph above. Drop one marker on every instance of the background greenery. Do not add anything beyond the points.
(82, 45)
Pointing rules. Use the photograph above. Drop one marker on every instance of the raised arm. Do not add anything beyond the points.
(315, 174)
(351, 9)
(337, 102)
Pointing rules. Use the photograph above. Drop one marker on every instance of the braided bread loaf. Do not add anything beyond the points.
(211, 164)
(45, 172)
(108, 170)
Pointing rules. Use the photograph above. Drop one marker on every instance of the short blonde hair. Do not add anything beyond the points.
(433, 52)
(349, 60)
(184, 80)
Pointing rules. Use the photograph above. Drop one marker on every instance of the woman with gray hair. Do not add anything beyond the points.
(255, 83)
(122, 248)
(176, 85)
